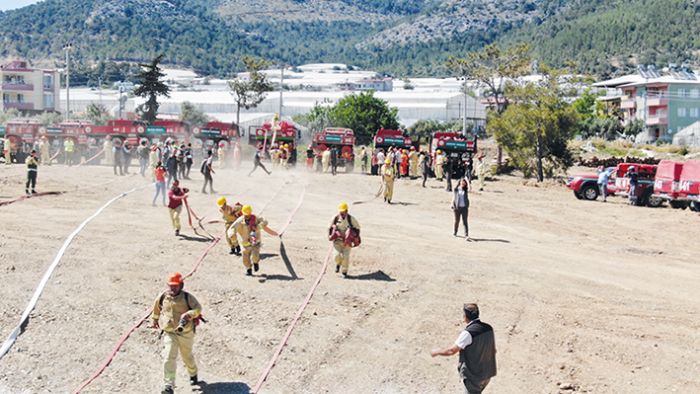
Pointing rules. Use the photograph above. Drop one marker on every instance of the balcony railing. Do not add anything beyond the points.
(657, 101)
(628, 103)
(658, 119)
(16, 105)
(17, 86)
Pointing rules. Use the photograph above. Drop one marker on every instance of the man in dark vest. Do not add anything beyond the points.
(477, 352)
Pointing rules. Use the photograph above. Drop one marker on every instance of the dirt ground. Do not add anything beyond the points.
(598, 297)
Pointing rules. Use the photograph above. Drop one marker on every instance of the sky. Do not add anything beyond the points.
(12, 4)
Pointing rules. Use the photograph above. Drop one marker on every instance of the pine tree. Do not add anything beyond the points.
(151, 87)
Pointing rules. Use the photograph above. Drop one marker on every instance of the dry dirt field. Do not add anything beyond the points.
(602, 298)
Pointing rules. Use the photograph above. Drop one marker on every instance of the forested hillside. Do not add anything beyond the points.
(402, 38)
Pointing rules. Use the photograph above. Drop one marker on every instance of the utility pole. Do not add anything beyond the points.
(281, 89)
(464, 115)
(67, 48)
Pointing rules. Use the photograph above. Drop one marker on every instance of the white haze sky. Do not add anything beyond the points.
(12, 4)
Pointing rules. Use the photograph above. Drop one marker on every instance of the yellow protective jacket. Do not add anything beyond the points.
(242, 228)
(171, 308)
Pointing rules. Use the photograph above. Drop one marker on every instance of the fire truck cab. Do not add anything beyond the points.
(341, 138)
(458, 148)
(265, 137)
(384, 139)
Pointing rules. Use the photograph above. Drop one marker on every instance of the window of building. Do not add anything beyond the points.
(695, 93)
(20, 98)
(5, 98)
(682, 113)
(48, 81)
(48, 100)
(694, 112)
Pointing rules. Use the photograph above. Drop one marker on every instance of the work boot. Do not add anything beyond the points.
(256, 267)
(27, 191)
(167, 390)
(249, 272)
(233, 250)
(33, 191)
(238, 250)
(177, 232)
(345, 275)
(194, 380)
(337, 269)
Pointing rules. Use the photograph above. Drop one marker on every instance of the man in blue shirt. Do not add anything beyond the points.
(603, 177)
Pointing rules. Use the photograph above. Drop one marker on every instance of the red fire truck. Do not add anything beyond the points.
(21, 134)
(343, 139)
(458, 148)
(262, 136)
(679, 183)
(586, 186)
(384, 139)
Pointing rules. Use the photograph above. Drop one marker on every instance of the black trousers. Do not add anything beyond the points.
(462, 213)
(189, 167)
(208, 179)
(475, 388)
(31, 180)
(425, 177)
(255, 167)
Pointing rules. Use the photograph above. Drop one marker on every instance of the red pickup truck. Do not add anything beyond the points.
(585, 187)
(679, 183)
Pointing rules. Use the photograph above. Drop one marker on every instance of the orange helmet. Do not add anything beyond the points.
(175, 279)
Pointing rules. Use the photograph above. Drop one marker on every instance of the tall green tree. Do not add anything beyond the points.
(251, 91)
(191, 115)
(151, 86)
(535, 130)
(364, 114)
(97, 114)
(493, 68)
(423, 129)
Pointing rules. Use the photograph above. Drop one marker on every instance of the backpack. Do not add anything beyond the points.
(196, 320)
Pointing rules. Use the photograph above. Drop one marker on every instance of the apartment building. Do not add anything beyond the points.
(665, 103)
(27, 89)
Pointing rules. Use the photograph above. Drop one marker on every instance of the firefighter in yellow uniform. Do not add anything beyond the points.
(413, 163)
(438, 163)
(44, 149)
(249, 228)
(339, 235)
(7, 150)
(221, 152)
(230, 214)
(69, 150)
(388, 175)
(181, 313)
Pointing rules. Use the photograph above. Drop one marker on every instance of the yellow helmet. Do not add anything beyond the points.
(221, 201)
(343, 207)
(387, 161)
(438, 151)
(247, 210)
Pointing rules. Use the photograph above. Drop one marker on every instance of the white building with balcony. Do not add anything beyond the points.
(27, 89)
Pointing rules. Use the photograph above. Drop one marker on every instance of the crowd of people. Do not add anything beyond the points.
(181, 312)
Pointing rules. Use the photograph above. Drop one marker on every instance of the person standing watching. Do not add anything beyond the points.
(634, 181)
(159, 175)
(69, 150)
(334, 160)
(388, 172)
(126, 158)
(476, 346)
(175, 197)
(171, 167)
(425, 166)
(182, 313)
(207, 170)
(189, 160)
(142, 152)
(117, 154)
(603, 177)
(460, 206)
(32, 169)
